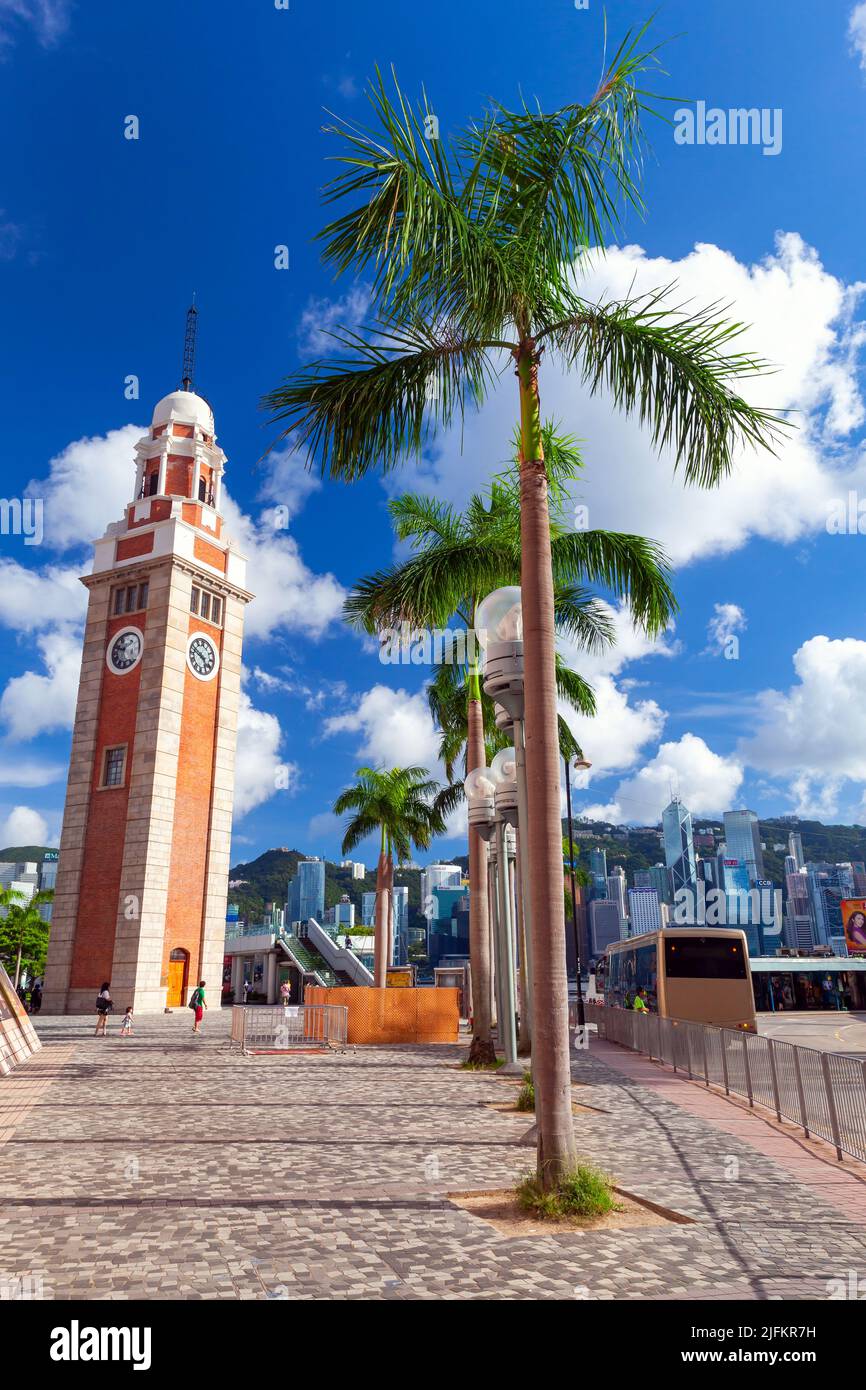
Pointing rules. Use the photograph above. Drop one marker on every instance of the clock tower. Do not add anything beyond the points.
(144, 855)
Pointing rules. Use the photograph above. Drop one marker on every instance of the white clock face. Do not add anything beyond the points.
(125, 650)
(202, 656)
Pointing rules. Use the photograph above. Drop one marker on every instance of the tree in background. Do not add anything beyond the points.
(23, 932)
(399, 805)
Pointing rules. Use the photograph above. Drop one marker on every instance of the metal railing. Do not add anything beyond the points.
(823, 1092)
(281, 1028)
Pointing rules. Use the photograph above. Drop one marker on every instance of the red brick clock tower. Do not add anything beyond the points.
(144, 855)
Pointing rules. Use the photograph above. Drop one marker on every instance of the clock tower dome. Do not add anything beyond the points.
(144, 855)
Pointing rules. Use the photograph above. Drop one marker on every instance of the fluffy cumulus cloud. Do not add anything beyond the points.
(813, 736)
(803, 319)
(88, 485)
(260, 771)
(31, 599)
(624, 723)
(394, 727)
(707, 783)
(40, 702)
(289, 595)
(22, 826)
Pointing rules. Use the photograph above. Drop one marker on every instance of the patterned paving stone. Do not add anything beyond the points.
(167, 1166)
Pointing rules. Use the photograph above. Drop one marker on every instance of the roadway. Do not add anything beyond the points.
(828, 1032)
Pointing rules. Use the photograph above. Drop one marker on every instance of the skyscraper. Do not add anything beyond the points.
(795, 849)
(644, 910)
(604, 926)
(437, 876)
(306, 896)
(743, 842)
(616, 889)
(679, 847)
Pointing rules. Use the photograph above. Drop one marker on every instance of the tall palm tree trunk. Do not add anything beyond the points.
(380, 957)
(482, 1049)
(551, 1062)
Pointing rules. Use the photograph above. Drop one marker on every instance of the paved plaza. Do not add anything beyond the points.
(168, 1166)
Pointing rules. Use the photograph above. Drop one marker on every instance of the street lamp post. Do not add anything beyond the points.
(580, 763)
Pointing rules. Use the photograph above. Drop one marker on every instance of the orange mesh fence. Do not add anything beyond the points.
(394, 1015)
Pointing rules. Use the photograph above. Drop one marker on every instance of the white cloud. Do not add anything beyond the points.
(288, 594)
(396, 728)
(260, 772)
(48, 18)
(857, 33)
(803, 320)
(323, 317)
(34, 703)
(728, 619)
(23, 826)
(88, 485)
(288, 483)
(815, 733)
(707, 783)
(621, 729)
(29, 773)
(34, 599)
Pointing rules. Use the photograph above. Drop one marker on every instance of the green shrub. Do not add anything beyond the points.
(526, 1094)
(483, 1066)
(585, 1192)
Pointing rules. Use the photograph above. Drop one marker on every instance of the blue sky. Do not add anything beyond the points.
(103, 240)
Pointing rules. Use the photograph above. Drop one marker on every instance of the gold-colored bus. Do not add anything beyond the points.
(700, 974)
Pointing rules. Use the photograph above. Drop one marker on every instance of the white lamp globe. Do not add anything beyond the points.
(479, 783)
(499, 617)
(504, 766)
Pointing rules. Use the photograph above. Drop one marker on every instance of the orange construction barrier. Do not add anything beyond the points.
(394, 1015)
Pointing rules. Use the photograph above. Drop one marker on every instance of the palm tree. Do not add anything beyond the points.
(475, 245)
(399, 804)
(457, 559)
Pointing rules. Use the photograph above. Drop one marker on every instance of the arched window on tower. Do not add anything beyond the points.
(202, 489)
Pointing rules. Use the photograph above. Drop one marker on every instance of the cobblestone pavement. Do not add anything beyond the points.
(168, 1166)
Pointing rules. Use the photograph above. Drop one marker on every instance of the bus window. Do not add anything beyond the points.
(704, 958)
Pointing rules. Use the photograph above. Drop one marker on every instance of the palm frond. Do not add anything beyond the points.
(630, 567)
(676, 372)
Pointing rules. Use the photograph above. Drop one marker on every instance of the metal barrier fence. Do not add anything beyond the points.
(823, 1092)
(280, 1028)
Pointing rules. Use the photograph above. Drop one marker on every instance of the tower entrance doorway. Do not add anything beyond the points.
(178, 973)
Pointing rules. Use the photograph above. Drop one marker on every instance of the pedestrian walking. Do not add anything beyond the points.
(104, 1005)
(199, 1004)
(36, 998)
(126, 1025)
(285, 991)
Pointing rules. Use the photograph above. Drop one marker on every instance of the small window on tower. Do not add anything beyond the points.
(205, 605)
(132, 598)
(215, 611)
(142, 594)
(202, 489)
(193, 599)
(114, 767)
(119, 600)
(152, 484)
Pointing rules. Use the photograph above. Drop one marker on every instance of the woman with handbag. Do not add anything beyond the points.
(104, 1005)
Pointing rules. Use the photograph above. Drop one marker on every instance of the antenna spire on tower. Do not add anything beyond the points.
(189, 346)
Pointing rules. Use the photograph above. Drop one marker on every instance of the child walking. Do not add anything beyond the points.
(126, 1025)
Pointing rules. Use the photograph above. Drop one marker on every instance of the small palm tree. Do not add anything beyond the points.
(399, 805)
(476, 245)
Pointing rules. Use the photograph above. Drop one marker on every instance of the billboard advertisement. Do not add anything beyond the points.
(854, 924)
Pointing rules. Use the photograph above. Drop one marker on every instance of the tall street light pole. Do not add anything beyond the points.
(580, 763)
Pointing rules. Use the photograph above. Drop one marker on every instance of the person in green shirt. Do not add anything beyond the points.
(640, 1004)
(198, 1003)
